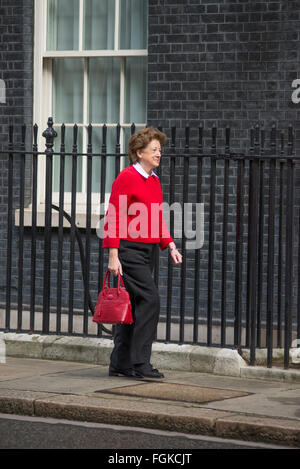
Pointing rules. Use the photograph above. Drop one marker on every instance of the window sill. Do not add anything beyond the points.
(40, 217)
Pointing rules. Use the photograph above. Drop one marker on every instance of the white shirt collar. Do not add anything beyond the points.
(141, 170)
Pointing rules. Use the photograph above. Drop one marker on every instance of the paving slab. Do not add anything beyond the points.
(279, 403)
(228, 382)
(16, 402)
(52, 376)
(188, 402)
(21, 368)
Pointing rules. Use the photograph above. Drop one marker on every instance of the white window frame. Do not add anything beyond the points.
(42, 108)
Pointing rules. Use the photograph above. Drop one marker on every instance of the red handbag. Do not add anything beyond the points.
(113, 304)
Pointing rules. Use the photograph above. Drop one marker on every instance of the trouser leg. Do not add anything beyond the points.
(133, 343)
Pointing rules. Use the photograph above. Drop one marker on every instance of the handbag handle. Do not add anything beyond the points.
(107, 276)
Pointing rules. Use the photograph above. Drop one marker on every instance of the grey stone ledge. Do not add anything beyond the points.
(219, 361)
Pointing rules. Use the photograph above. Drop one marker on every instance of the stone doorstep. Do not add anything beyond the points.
(277, 356)
(96, 350)
(160, 416)
(220, 361)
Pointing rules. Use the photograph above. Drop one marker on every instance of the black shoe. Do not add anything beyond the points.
(128, 373)
(150, 372)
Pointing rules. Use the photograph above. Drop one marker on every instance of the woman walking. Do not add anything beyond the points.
(134, 228)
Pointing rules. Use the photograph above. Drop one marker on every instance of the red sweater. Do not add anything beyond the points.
(135, 211)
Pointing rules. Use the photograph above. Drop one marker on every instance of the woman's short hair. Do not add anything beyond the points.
(141, 139)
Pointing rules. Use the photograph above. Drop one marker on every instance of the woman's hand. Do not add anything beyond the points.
(114, 264)
(175, 254)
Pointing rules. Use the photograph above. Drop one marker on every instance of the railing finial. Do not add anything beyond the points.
(49, 134)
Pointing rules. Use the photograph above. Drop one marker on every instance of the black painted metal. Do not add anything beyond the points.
(21, 230)
(239, 252)
(197, 251)
(225, 237)
(183, 239)
(49, 135)
(211, 235)
(271, 249)
(289, 249)
(9, 228)
(263, 304)
(60, 229)
(170, 265)
(33, 227)
(280, 246)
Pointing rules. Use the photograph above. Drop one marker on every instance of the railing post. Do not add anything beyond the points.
(186, 162)
(280, 243)
(197, 251)
(118, 150)
(239, 251)
(73, 228)
(171, 201)
(289, 248)
(261, 229)
(225, 237)
(210, 280)
(49, 134)
(252, 246)
(271, 249)
(9, 227)
(21, 229)
(60, 228)
(33, 225)
(88, 230)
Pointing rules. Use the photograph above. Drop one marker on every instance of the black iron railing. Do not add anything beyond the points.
(239, 289)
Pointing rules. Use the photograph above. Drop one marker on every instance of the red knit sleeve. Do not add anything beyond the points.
(165, 237)
(116, 215)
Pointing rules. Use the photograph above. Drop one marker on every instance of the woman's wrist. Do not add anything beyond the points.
(172, 247)
(113, 253)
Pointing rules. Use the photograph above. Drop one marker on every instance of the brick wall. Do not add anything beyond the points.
(224, 62)
(16, 71)
(228, 63)
(16, 63)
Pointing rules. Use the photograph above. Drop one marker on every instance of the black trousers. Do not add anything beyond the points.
(133, 342)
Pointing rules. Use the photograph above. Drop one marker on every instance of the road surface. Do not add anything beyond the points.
(22, 432)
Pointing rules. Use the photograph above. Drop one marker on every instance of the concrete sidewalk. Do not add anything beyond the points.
(262, 408)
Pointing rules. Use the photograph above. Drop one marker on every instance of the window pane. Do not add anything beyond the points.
(104, 90)
(67, 90)
(133, 24)
(99, 24)
(110, 160)
(62, 24)
(68, 160)
(135, 89)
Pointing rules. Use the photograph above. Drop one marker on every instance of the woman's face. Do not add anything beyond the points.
(150, 156)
